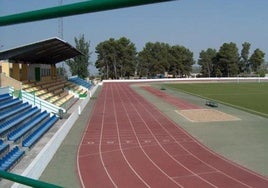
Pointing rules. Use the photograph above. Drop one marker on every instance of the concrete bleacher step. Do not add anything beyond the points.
(43, 82)
(27, 84)
(59, 97)
(55, 87)
(58, 91)
(40, 92)
(77, 89)
(53, 99)
(63, 100)
(46, 84)
(46, 96)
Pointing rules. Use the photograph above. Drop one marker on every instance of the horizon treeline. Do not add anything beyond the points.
(119, 58)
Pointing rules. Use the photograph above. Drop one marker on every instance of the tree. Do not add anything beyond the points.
(103, 62)
(256, 59)
(79, 64)
(244, 65)
(126, 57)
(159, 58)
(206, 61)
(227, 59)
(181, 61)
(116, 58)
(153, 59)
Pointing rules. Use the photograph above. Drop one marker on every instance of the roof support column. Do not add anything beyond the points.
(53, 71)
(16, 71)
(24, 72)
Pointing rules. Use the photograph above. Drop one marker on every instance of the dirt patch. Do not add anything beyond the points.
(206, 115)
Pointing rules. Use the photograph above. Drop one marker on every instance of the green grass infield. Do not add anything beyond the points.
(251, 97)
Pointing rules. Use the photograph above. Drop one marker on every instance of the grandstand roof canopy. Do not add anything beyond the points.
(49, 51)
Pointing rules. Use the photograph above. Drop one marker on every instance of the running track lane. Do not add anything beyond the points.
(130, 143)
(181, 104)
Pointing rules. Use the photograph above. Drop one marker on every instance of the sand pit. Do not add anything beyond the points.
(206, 115)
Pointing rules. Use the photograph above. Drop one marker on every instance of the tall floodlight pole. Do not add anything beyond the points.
(60, 35)
(72, 9)
(60, 24)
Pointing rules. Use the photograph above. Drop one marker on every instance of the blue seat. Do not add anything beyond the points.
(11, 158)
(9, 103)
(27, 126)
(81, 82)
(4, 97)
(4, 127)
(14, 110)
(3, 147)
(38, 133)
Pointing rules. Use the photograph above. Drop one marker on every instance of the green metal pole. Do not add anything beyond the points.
(72, 9)
(26, 181)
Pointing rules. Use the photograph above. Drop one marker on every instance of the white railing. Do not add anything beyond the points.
(40, 103)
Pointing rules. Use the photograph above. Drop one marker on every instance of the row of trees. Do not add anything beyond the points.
(228, 62)
(119, 58)
(159, 58)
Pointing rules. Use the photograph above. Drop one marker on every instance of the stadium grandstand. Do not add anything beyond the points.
(35, 103)
(131, 143)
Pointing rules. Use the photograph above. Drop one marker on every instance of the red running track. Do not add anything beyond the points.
(181, 104)
(130, 143)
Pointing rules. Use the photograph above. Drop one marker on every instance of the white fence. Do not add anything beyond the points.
(223, 79)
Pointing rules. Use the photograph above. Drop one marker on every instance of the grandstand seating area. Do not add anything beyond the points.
(55, 91)
(80, 81)
(21, 126)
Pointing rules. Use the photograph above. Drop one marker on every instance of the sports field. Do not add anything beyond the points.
(243, 141)
(251, 97)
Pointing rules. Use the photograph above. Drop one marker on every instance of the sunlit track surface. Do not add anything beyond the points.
(130, 143)
(181, 104)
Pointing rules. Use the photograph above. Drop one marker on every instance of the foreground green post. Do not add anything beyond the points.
(72, 9)
(26, 181)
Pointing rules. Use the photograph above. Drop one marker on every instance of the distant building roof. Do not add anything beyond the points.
(49, 51)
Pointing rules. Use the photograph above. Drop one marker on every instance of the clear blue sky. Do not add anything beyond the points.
(196, 24)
